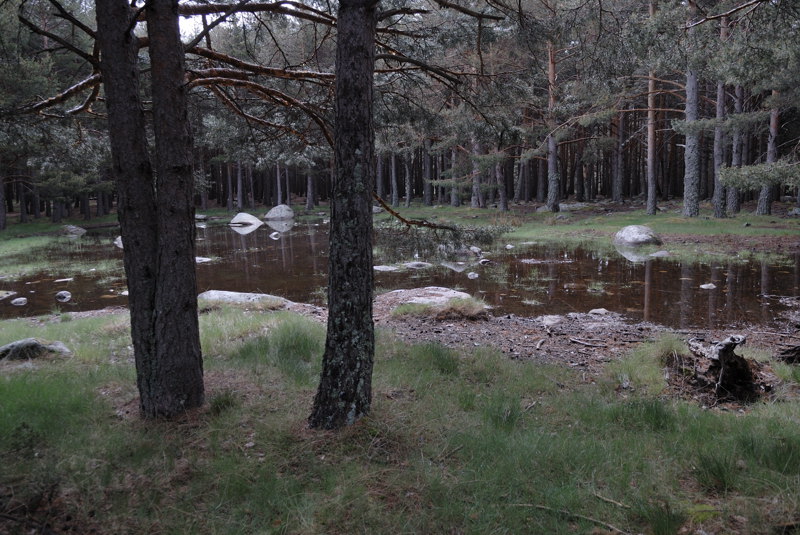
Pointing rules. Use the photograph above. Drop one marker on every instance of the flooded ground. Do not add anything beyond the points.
(527, 280)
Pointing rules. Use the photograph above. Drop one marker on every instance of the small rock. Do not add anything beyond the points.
(118, 241)
(484, 261)
(599, 311)
(385, 268)
(202, 259)
(377, 210)
(472, 275)
(63, 296)
(509, 246)
(660, 254)
(6, 293)
(636, 235)
(19, 302)
(746, 225)
(244, 219)
(551, 320)
(200, 217)
(475, 250)
(65, 280)
(794, 212)
(708, 286)
(275, 235)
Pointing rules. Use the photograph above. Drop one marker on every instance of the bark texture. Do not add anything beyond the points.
(345, 389)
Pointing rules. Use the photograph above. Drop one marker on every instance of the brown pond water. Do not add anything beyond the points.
(528, 280)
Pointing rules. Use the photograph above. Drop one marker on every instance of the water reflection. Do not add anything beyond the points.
(529, 280)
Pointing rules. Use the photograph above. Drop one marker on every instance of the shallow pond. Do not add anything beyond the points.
(528, 280)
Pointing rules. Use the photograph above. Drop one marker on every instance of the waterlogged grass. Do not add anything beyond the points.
(464, 441)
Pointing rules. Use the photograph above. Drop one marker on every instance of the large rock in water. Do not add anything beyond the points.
(636, 235)
(246, 220)
(30, 348)
(280, 212)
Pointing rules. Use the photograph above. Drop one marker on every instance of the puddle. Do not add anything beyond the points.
(528, 280)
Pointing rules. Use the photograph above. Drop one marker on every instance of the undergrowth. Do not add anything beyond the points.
(458, 441)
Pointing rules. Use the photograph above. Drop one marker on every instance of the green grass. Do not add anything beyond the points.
(457, 441)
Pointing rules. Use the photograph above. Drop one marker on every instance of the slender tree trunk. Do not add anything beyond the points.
(229, 183)
(691, 179)
(427, 187)
(310, 191)
(455, 195)
(618, 171)
(2, 204)
(239, 187)
(718, 199)
(278, 184)
(393, 185)
(379, 178)
(476, 199)
(553, 176)
(408, 178)
(176, 379)
(733, 203)
(652, 188)
(501, 186)
(764, 206)
(345, 389)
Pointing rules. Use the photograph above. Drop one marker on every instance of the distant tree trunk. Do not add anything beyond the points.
(476, 200)
(288, 187)
(393, 177)
(379, 178)
(652, 188)
(501, 186)
(541, 182)
(553, 176)
(278, 185)
(455, 195)
(174, 381)
(733, 203)
(764, 206)
(408, 177)
(427, 187)
(2, 204)
(310, 193)
(239, 187)
(618, 171)
(691, 179)
(519, 180)
(718, 199)
(345, 389)
(229, 183)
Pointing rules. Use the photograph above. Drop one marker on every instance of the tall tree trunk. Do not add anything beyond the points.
(239, 187)
(345, 389)
(393, 185)
(427, 187)
(718, 199)
(278, 184)
(455, 194)
(553, 182)
(229, 183)
(2, 204)
(136, 203)
(691, 159)
(379, 177)
(618, 171)
(501, 186)
(652, 188)
(408, 178)
(736, 152)
(476, 201)
(174, 381)
(310, 193)
(764, 206)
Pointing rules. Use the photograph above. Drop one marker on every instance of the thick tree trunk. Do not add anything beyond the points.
(764, 206)
(136, 204)
(278, 184)
(345, 390)
(379, 177)
(733, 203)
(553, 182)
(651, 138)
(175, 379)
(691, 159)
(310, 193)
(618, 171)
(501, 186)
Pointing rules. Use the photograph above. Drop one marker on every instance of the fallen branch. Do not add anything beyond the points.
(587, 344)
(411, 222)
(570, 515)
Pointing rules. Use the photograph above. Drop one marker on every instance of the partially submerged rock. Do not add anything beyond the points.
(19, 302)
(281, 225)
(244, 219)
(73, 231)
(282, 211)
(63, 296)
(31, 348)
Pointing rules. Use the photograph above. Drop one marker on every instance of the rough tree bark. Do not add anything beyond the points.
(732, 200)
(764, 206)
(345, 390)
(691, 159)
(651, 133)
(157, 233)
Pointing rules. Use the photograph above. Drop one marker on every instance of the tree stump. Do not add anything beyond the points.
(735, 379)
